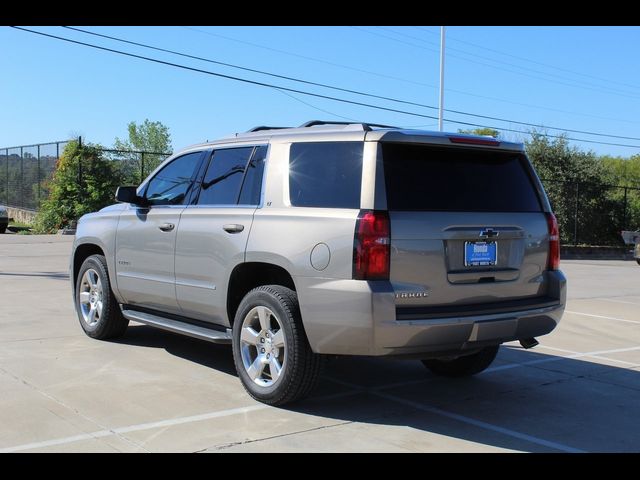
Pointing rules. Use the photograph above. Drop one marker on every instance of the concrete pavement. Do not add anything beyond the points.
(155, 391)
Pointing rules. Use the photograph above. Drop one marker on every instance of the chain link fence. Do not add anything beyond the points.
(25, 170)
(588, 213)
(593, 213)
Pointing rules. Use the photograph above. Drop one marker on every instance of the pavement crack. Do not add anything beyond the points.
(225, 446)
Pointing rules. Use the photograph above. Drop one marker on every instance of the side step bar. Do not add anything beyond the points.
(176, 326)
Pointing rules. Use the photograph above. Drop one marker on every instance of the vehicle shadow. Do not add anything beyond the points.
(528, 400)
(208, 354)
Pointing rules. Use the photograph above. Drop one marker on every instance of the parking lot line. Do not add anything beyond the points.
(461, 418)
(602, 316)
(354, 390)
(598, 354)
(615, 300)
(158, 424)
(481, 424)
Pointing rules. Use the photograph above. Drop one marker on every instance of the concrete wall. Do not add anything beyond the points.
(596, 253)
(21, 215)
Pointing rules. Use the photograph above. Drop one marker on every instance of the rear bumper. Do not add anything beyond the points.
(350, 317)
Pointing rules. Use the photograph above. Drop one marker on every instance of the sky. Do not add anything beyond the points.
(578, 78)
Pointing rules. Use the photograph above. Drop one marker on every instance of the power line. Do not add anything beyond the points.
(356, 92)
(475, 55)
(599, 90)
(312, 59)
(222, 75)
(531, 61)
(253, 70)
(315, 107)
(302, 92)
(378, 74)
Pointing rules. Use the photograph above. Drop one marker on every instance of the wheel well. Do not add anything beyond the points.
(248, 276)
(83, 252)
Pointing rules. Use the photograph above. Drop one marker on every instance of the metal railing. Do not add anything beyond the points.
(25, 170)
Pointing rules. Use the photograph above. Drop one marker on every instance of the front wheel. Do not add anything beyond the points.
(270, 349)
(97, 308)
(463, 366)
(638, 260)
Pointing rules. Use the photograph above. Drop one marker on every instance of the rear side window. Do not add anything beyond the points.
(325, 174)
(252, 185)
(419, 177)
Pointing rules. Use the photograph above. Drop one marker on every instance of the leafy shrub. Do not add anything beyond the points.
(83, 182)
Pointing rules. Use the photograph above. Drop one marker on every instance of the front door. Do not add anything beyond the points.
(146, 237)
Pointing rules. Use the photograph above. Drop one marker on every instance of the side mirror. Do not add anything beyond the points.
(128, 195)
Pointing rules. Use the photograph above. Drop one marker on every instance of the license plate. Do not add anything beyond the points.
(480, 253)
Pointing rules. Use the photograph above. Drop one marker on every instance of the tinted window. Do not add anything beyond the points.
(326, 174)
(172, 184)
(221, 184)
(252, 185)
(455, 179)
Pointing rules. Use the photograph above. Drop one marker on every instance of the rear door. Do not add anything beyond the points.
(213, 232)
(468, 229)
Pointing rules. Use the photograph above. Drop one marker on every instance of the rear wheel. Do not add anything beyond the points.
(463, 366)
(638, 260)
(3, 228)
(270, 349)
(97, 308)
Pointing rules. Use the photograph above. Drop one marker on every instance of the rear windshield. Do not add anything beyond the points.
(419, 177)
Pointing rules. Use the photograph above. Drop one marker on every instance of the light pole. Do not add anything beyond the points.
(441, 105)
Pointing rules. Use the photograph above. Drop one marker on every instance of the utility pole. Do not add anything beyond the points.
(441, 106)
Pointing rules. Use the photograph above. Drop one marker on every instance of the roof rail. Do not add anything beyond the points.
(365, 126)
(264, 127)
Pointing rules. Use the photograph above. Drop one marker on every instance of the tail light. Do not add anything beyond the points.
(371, 247)
(554, 242)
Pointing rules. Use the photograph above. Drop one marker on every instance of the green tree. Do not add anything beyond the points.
(153, 138)
(488, 132)
(626, 173)
(575, 183)
(82, 182)
(554, 159)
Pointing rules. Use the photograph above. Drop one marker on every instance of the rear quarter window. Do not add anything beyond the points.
(428, 178)
(325, 174)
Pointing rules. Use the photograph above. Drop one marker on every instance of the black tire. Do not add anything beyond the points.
(111, 324)
(3, 228)
(463, 366)
(638, 260)
(301, 367)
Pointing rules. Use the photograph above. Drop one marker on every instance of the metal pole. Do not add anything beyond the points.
(141, 166)
(80, 157)
(21, 177)
(7, 156)
(624, 215)
(575, 217)
(441, 106)
(38, 180)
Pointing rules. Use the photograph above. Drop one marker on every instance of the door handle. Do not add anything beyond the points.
(233, 228)
(167, 227)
